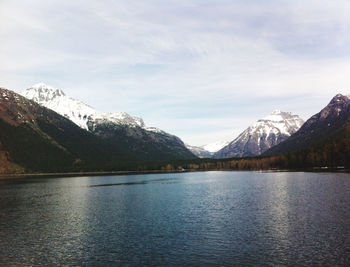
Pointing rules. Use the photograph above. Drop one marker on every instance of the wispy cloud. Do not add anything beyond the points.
(182, 64)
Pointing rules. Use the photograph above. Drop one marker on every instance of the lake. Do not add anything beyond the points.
(201, 218)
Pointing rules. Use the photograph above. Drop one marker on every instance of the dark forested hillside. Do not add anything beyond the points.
(319, 127)
(34, 138)
(332, 152)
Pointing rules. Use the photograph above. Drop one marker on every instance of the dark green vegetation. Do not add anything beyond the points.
(323, 141)
(320, 127)
(36, 139)
(331, 152)
(146, 145)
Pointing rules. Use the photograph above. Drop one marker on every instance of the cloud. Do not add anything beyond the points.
(181, 61)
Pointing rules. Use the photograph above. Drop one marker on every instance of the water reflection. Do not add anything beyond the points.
(207, 218)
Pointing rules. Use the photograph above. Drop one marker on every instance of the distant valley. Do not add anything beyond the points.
(44, 130)
(208, 150)
(256, 139)
(321, 143)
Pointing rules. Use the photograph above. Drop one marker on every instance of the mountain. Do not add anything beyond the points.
(34, 138)
(216, 146)
(262, 135)
(127, 131)
(78, 112)
(199, 151)
(322, 143)
(208, 150)
(320, 126)
(331, 153)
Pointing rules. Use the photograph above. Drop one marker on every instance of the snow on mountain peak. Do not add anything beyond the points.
(41, 92)
(42, 85)
(216, 146)
(277, 115)
(43, 88)
(276, 112)
(279, 121)
(208, 150)
(262, 135)
(80, 113)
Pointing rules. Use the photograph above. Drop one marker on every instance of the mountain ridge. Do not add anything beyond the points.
(330, 119)
(207, 150)
(34, 138)
(77, 111)
(119, 127)
(262, 135)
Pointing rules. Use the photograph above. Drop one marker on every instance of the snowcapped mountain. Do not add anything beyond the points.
(199, 151)
(208, 150)
(78, 112)
(262, 135)
(130, 132)
(216, 146)
(331, 119)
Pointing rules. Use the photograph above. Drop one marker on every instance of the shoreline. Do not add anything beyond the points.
(105, 173)
(77, 174)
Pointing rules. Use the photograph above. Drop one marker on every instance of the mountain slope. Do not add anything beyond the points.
(208, 150)
(215, 147)
(329, 120)
(34, 138)
(332, 153)
(78, 112)
(120, 128)
(39, 139)
(262, 135)
(199, 151)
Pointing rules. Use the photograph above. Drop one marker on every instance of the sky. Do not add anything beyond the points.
(202, 70)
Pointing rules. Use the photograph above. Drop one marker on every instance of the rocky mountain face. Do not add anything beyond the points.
(34, 138)
(262, 135)
(78, 112)
(119, 127)
(328, 121)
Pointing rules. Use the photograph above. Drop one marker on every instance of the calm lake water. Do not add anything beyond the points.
(203, 218)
